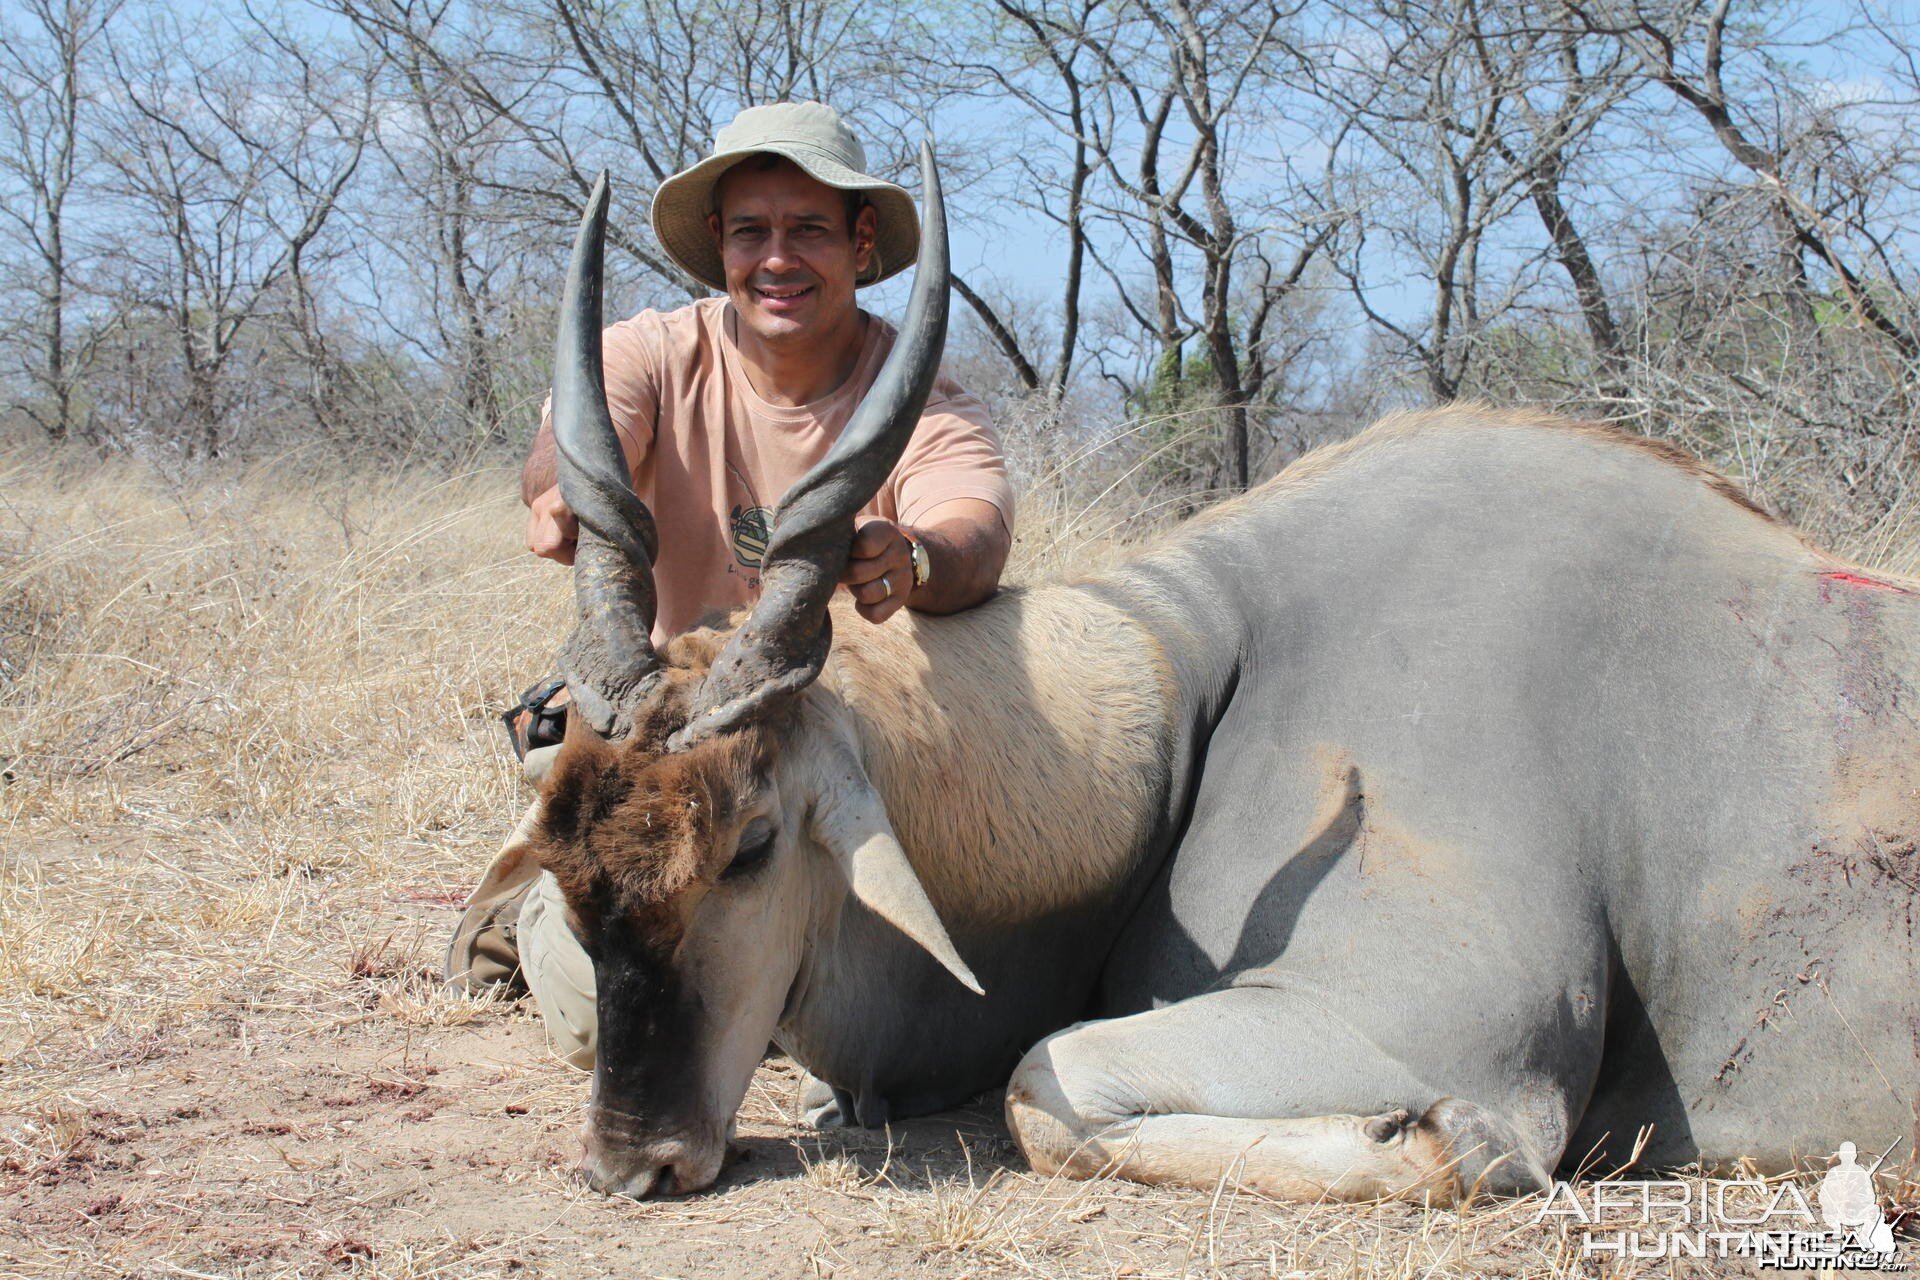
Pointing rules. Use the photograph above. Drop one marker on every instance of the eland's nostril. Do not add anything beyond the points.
(635, 1181)
(618, 1170)
(637, 1166)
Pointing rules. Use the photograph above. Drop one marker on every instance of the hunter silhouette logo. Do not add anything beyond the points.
(749, 526)
(1847, 1203)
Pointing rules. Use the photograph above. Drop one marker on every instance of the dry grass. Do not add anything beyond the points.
(251, 767)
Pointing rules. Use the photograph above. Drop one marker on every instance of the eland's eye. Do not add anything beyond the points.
(756, 846)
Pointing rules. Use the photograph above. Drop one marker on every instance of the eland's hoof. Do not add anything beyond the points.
(823, 1106)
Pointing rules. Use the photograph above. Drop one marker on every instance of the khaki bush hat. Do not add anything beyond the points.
(812, 135)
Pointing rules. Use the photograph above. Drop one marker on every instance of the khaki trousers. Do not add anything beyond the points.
(556, 968)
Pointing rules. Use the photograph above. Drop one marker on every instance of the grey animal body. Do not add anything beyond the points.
(1506, 762)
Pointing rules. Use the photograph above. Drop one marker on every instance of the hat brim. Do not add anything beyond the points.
(682, 203)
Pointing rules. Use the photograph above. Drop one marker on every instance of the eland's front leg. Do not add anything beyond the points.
(1242, 1086)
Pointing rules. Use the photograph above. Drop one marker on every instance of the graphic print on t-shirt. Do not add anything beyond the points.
(749, 526)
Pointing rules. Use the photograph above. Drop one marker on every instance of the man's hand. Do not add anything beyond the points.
(966, 541)
(879, 571)
(552, 530)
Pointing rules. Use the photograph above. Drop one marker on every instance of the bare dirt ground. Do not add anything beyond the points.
(250, 770)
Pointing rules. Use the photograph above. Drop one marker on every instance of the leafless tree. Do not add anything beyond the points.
(1146, 98)
(1034, 55)
(442, 148)
(46, 99)
(225, 172)
(1773, 296)
(1791, 145)
(1462, 112)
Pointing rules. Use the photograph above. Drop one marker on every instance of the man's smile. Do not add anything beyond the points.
(778, 297)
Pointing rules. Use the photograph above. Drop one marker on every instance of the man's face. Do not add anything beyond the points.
(789, 258)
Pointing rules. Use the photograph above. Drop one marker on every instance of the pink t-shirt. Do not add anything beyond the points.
(714, 458)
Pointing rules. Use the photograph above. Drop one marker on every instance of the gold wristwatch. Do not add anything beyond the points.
(922, 562)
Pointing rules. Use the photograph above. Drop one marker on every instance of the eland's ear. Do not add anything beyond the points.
(851, 822)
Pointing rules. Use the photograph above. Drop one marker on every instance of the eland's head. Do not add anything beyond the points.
(708, 811)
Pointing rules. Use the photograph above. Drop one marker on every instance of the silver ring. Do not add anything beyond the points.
(888, 584)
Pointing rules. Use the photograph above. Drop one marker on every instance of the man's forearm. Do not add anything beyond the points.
(541, 471)
(966, 554)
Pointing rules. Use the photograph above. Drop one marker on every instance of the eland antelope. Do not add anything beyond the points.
(1458, 803)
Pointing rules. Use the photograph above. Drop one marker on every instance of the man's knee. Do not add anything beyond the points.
(558, 973)
(539, 760)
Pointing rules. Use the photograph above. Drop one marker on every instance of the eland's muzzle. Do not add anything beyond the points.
(619, 1160)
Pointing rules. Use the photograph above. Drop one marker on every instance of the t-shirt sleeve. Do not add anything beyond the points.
(630, 354)
(954, 453)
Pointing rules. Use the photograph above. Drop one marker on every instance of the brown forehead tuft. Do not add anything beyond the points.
(627, 825)
(695, 650)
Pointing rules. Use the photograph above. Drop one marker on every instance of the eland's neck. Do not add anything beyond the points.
(1024, 747)
(1035, 754)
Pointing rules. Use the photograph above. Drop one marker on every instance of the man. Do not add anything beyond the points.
(748, 391)
(720, 406)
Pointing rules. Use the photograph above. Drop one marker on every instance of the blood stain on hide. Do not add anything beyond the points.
(1855, 580)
